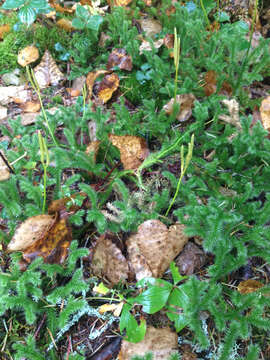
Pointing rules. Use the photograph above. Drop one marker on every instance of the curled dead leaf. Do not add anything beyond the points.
(249, 286)
(186, 102)
(4, 29)
(265, 113)
(47, 72)
(65, 24)
(42, 235)
(210, 86)
(30, 106)
(107, 87)
(90, 80)
(108, 261)
(28, 55)
(120, 58)
(133, 150)
(191, 258)
(147, 46)
(153, 247)
(161, 342)
(150, 26)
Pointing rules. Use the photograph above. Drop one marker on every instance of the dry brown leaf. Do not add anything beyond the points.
(9, 93)
(60, 8)
(107, 87)
(65, 24)
(86, 2)
(265, 113)
(150, 26)
(210, 86)
(30, 106)
(120, 58)
(249, 286)
(153, 247)
(110, 307)
(28, 55)
(133, 150)
(93, 148)
(4, 29)
(60, 205)
(191, 258)
(42, 235)
(186, 102)
(4, 170)
(108, 261)
(147, 46)
(73, 92)
(3, 113)
(161, 342)
(90, 80)
(47, 72)
(119, 2)
(233, 117)
(169, 42)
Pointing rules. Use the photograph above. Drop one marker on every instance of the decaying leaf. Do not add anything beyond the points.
(4, 170)
(150, 26)
(107, 87)
(169, 43)
(153, 247)
(119, 2)
(210, 86)
(30, 106)
(120, 58)
(47, 72)
(186, 102)
(162, 343)
(249, 286)
(42, 235)
(65, 24)
(4, 29)
(28, 55)
(133, 150)
(116, 308)
(191, 258)
(265, 113)
(108, 261)
(90, 80)
(93, 148)
(233, 118)
(60, 8)
(9, 93)
(147, 46)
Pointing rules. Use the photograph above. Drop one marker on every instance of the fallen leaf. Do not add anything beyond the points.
(191, 258)
(120, 58)
(3, 113)
(153, 247)
(65, 24)
(9, 93)
(42, 235)
(186, 102)
(60, 8)
(93, 148)
(108, 261)
(119, 2)
(107, 87)
(265, 113)
(233, 117)
(47, 72)
(28, 55)
(4, 170)
(162, 343)
(4, 29)
(111, 307)
(249, 286)
(90, 80)
(169, 43)
(133, 150)
(150, 26)
(147, 46)
(30, 106)
(210, 86)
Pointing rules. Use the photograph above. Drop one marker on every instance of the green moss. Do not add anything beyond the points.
(39, 35)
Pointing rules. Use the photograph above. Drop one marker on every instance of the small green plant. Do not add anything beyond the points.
(45, 161)
(176, 59)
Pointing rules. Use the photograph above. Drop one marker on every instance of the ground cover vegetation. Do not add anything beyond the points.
(162, 147)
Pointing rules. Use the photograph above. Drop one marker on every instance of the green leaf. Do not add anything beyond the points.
(175, 273)
(155, 297)
(27, 15)
(78, 24)
(12, 4)
(134, 332)
(94, 22)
